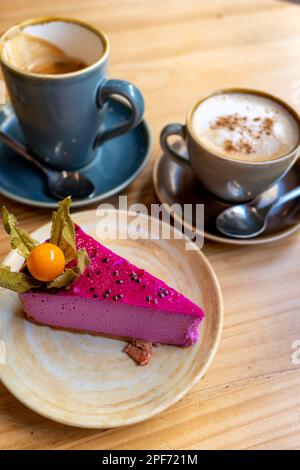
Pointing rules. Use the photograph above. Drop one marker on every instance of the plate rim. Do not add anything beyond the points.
(175, 398)
(86, 202)
(209, 236)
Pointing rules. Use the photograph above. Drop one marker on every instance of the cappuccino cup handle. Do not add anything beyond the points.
(173, 129)
(131, 94)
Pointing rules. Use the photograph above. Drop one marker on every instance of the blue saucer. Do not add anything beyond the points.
(115, 166)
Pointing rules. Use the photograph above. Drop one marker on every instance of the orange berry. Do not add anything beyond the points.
(46, 262)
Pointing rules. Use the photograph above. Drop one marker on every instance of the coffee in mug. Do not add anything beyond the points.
(56, 73)
(245, 127)
(239, 142)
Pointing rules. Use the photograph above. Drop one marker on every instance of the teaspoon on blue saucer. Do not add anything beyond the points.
(60, 183)
(249, 220)
(115, 165)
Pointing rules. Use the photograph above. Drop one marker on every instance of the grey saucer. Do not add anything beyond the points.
(176, 184)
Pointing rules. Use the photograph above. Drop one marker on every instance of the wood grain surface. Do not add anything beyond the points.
(176, 51)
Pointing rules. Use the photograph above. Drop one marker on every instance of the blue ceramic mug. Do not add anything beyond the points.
(62, 114)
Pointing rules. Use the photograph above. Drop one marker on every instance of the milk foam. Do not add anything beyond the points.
(244, 126)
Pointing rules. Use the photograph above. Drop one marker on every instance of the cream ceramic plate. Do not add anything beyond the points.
(87, 381)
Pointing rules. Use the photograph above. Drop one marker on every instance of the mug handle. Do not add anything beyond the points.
(135, 98)
(173, 129)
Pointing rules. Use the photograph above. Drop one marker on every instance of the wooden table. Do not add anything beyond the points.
(176, 51)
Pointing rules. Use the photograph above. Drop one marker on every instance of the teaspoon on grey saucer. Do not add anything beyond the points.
(247, 220)
(60, 183)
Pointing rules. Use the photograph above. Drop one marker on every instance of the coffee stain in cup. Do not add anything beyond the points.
(36, 55)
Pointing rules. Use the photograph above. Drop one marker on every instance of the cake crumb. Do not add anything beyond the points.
(140, 351)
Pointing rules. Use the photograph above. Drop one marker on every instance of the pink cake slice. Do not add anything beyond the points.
(116, 298)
